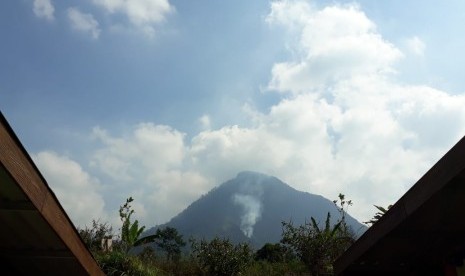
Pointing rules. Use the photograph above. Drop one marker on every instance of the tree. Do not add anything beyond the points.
(319, 247)
(221, 257)
(170, 242)
(273, 253)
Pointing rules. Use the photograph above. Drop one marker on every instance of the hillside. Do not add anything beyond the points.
(250, 208)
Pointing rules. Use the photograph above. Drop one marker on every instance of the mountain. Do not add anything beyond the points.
(250, 208)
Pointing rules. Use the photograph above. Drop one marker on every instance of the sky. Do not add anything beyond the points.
(164, 100)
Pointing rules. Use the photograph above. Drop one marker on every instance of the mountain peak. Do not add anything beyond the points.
(251, 174)
(251, 207)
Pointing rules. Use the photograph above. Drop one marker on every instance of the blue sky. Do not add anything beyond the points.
(163, 100)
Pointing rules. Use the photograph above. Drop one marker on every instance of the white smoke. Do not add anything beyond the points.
(252, 207)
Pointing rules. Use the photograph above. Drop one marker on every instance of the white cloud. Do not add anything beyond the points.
(151, 146)
(142, 14)
(289, 13)
(344, 124)
(83, 22)
(44, 9)
(371, 150)
(416, 46)
(149, 164)
(334, 43)
(76, 190)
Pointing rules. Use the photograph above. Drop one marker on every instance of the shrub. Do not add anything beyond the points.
(319, 247)
(221, 257)
(274, 253)
(92, 236)
(265, 268)
(118, 263)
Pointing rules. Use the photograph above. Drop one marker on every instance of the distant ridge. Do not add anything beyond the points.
(250, 208)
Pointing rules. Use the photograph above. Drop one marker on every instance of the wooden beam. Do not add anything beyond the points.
(418, 200)
(15, 159)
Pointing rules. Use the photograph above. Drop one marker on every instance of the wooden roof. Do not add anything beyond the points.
(423, 232)
(36, 235)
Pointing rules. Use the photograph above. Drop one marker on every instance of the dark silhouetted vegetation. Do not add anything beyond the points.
(318, 247)
(378, 215)
(169, 241)
(220, 257)
(307, 249)
(92, 236)
(130, 231)
(274, 253)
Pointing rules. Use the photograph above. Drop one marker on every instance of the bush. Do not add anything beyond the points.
(318, 247)
(274, 253)
(184, 267)
(265, 268)
(221, 257)
(92, 236)
(118, 263)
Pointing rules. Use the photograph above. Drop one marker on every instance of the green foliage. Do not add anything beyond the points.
(342, 206)
(319, 247)
(171, 242)
(265, 268)
(274, 253)
(306, 247)
(92, 236)
(275, 259)
(221, 257)
(130, 231)
(184, 267)
(378, 215)
(148, 254)
(119, 263)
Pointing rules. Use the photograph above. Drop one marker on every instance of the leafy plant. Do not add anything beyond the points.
(92, 236)
(170, 241)
(378, 215)
(221, 257)
(265, 268)
(119, 263)
(130, 231)
(319, 247)
(273, 253)
(342, 205)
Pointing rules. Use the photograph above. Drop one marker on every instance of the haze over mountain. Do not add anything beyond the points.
(250, 208)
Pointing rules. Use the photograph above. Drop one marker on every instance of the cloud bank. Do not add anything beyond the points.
(141, 14)
(44, 9)
(83, 22)
(344, 124)
(77, 191)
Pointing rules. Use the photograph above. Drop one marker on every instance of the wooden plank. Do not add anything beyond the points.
(22, 170)
(448, 167)
(59, 222)
(440, 176)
